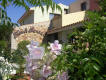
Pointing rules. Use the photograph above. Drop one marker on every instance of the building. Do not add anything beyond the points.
(64, 26)
(81, 5)
(34, 24)
(35, 15)
(65, 23)
(50, 26)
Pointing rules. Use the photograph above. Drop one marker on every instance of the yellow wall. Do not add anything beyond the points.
(72, 18)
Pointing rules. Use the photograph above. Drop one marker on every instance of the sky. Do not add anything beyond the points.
(16, 12)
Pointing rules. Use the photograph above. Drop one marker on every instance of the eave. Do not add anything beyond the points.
(25, 14)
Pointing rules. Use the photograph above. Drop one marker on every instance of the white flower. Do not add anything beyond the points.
(35, 65)
(2, 59)
(56, 47)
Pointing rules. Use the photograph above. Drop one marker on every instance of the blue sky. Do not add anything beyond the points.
(16, 12)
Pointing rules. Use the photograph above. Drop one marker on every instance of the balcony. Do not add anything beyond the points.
(66, 22)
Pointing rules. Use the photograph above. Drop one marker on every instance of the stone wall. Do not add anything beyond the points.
(30, 32)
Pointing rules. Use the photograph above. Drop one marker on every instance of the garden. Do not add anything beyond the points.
(83, 57)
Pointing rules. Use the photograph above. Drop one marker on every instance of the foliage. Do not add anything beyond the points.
(5, 57)
(22, 47)
(26, 3)
(18, 58)
(85, 55)
(4, 51)
(38, 61)
(103, 7)
(6, 27)
(18, 55)
(5, 33)
(4, 19)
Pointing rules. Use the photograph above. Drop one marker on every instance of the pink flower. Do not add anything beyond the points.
(63, 76)
(46, 71)
(32, 45)
(31, 65)
(37, 53)
(56, 47)
(87, 45)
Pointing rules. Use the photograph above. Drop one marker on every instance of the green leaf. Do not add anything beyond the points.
(95, 59)
(96, 67)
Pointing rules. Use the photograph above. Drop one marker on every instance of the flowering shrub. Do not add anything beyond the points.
(85, 57)
(39, 63)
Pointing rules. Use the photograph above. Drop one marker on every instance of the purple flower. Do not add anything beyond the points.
(37, 53)
(31, 65)
(56, 47)
(32, 45)
(46, 71)
(29, 61)
(63, 76)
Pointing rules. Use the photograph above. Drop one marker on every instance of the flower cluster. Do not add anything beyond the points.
(38, 62)
(56, 47)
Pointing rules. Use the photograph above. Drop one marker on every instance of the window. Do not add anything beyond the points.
(65, 11)
(83, 6)
(23, 23)
(51, 16)
(55, 36)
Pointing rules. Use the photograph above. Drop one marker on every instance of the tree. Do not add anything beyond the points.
(103, 7)
(25, 3)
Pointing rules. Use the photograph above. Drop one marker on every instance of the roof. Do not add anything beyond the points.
(25, 14)
(65, 6)
(31, 10)
(68, 27)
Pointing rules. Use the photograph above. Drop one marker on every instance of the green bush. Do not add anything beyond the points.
(22, 47)
(85, 57)
(18, 57)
